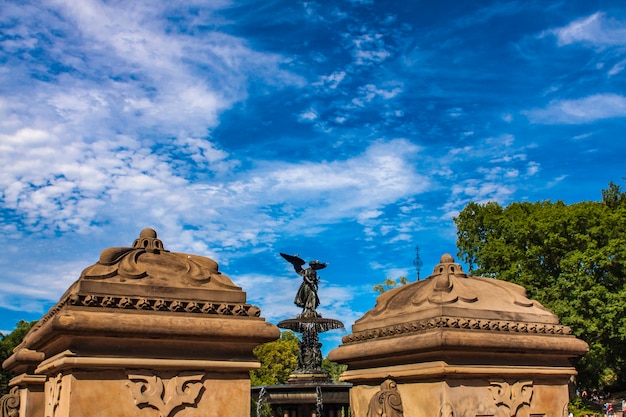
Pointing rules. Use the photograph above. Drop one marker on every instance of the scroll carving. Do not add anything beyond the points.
(386, 402)
(166, 397)
(127, 263)
(53, 395)
(10, 403)
(513, 396)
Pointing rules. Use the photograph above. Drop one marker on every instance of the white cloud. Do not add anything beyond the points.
(532, 168)
(367, 47)
(370, 92)
(331, 81)
(32, 290)
(556, 181)
(309, 115)
(617, 68)
(596, 30)
(579, 111)
(503, 141)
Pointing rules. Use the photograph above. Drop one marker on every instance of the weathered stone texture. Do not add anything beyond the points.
(143, 332)
(458, 345)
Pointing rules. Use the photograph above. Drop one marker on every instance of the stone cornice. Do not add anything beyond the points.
(438, 369)
(418, 326)
(162, 304)
(156, 304)
(109, 303)
(69, 360)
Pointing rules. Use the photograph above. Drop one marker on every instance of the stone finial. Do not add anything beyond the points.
(148, 263)
(148, 241)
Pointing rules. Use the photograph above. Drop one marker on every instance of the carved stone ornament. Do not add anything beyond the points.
(446, 411)
(513, 396)
(53, 395)
(139, 262)
(386, 402)
(166, 397)
(143, 303)
(418, 326)
(448, 285)
(10, 403)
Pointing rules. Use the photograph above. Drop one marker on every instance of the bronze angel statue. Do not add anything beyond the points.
(306, 297)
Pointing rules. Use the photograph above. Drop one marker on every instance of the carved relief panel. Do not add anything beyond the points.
(53, 395)
(501, 400)
(510, 398)
(168, 396)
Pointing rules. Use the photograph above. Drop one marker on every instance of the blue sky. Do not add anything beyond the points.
(345, 131)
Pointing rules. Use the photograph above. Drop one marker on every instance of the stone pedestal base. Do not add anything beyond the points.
(309, 378)
(146, 394)
(467, 397)
(31, 394)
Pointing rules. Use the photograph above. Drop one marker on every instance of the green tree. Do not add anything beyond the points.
(571, 258)
(333, 368)
(278, 360)
(389, 284)
(7, 344)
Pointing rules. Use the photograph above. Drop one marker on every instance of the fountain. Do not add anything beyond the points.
(309, 323)
(260, 401)
(309, 391)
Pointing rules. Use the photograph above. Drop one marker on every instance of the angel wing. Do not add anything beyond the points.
(317, 265)
(294, 260)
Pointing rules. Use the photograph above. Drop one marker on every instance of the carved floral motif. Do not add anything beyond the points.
(457, 323)
(10, 403)
(386, 402)
(513, 396)
(166, 397)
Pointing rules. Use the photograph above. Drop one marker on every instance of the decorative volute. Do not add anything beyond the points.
(448, 282)
(147, 263)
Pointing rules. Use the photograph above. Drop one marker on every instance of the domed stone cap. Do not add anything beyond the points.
(452, 298)
(147, 263)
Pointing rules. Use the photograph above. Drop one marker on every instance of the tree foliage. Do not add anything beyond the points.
(333, 368)
(571, 258)
(7, 344)
(389, 284)
(278, 360)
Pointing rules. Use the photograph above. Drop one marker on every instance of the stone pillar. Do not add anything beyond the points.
(146, 332)
(26, 397)
(458, 345)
